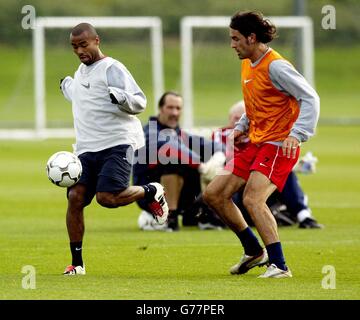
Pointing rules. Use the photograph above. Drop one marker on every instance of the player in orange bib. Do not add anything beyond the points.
(282, 110)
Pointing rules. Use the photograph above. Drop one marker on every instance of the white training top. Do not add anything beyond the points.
(99, 124)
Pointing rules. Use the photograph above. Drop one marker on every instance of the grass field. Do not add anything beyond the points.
(124, 263)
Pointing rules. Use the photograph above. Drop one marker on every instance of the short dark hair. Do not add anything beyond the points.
(164, 95)
(248, 22)
(82, 27)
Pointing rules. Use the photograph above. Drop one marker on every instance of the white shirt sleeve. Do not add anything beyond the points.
(122, 85)
(288, 80)
(67, 88)
(242, 124)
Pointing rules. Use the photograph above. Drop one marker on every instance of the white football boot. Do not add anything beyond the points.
(73, 271)
(248, 262)
(273, 271)
(159, 207)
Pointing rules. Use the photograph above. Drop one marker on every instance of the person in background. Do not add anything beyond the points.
(178, 160)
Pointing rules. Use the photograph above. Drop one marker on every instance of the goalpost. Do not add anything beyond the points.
(43, 23)
(191, 22)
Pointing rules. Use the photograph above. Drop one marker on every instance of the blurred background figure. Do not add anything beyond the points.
(180, 159)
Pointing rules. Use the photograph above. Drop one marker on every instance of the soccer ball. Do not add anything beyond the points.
(64, 169)
(147, 222)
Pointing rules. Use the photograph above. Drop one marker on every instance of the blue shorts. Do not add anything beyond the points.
(107, 170)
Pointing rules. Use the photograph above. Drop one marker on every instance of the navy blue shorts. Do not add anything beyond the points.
(107, 170)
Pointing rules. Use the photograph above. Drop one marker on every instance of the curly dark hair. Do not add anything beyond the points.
(253, 22)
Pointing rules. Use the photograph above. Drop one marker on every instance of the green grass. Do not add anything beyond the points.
(124, 263)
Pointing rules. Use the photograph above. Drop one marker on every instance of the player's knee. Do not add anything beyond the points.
(106, 200)
(76, 198)
(211, 197)
(250, 201)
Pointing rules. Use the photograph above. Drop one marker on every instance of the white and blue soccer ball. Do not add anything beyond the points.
(147, 222)
(64, 169)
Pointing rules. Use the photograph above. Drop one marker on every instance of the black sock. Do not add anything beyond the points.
(173, 221)
(76, 252)
(173, 213)
(249, 241)
(276, 255)
(150, 191)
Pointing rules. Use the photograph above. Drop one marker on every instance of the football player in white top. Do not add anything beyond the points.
(105, 100)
